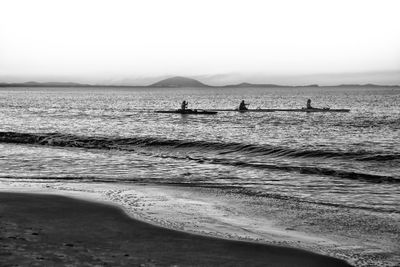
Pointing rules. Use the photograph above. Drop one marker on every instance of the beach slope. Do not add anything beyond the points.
(48, 230)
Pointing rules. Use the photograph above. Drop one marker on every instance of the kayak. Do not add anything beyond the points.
(188, 111)
(247, 110)
(314, 110)
(287, 110)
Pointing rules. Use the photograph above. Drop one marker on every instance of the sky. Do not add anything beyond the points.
(216, 41)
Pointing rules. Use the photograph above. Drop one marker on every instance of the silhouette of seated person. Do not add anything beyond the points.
(243, 105)
(184, 105)
(309, 104)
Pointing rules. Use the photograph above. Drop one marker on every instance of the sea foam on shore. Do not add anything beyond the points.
(49, 230)
(362, 238)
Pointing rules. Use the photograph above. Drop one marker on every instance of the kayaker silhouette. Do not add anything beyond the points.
(309, 104)
(184, 105)
(243, 105)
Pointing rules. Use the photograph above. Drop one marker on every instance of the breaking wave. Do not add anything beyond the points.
(129, 144)
(221, 149)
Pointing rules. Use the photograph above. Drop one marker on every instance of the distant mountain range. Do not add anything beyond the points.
(177, 82)
(46, 84)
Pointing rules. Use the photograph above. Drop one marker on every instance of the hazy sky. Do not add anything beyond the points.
(126, 41)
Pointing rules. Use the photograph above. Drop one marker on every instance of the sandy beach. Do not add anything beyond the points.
(49, 230)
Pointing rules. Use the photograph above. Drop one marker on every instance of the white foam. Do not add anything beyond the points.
(211, 212)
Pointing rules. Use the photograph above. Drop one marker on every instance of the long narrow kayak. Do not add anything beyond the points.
(188, 111)
(315, 110)
(287, 110)
(247, 110)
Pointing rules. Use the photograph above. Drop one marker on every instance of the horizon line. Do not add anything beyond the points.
(201, 84)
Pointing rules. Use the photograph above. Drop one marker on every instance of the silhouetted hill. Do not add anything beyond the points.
(265, 85)
(239, 85)
(178, 82)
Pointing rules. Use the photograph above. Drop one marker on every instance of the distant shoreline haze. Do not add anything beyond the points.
(180, 82)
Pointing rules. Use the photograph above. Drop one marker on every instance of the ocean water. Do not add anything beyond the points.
(326, 182)
(349, 160)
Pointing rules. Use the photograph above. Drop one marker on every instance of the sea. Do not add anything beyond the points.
(348, 161)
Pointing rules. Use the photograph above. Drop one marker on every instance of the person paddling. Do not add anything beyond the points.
(184, 105)
(309, 104)
(243, 105)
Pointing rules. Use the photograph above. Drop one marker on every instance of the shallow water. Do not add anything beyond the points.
(338, 159)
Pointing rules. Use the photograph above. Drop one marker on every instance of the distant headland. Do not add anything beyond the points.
(178, 82)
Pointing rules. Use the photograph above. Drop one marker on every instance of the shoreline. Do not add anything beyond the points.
(219, 214)
(52, 229)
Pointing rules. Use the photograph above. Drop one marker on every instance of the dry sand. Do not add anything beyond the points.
(48, 230)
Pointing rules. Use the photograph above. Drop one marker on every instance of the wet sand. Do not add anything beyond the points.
(48, 230)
